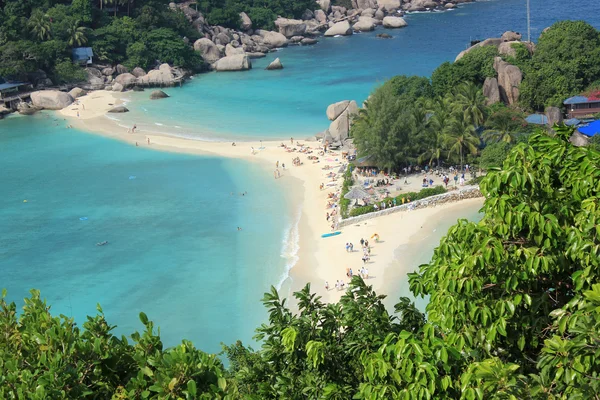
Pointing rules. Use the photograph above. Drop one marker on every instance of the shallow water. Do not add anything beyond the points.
(174, 251)
(292, 102)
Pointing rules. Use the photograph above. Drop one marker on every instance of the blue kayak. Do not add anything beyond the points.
(330, 234)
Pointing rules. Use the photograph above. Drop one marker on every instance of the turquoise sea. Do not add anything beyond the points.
(174, 250)
(171, 221)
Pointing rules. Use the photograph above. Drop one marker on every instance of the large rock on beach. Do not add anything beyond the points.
(95, 78)
(421, 5)
(364, 4)
(51, 99)
(118, 109)
(290, 27)
(255, 55)
(394, 22)
(76, 92)
(307, 15)
(126, 79)
(117, 87)
(246, 22)
(365, 24)
(276, 64)
(163, 76)
(273, 39)
(341, 28)
(509, 80)
(491, 91)
(233, 51)
(121, 69)
(320, 16)
(334, 110)
(108, 71)
(137, 72)
(158, 94)
(238, 62)
(389, 5)
(208, 50)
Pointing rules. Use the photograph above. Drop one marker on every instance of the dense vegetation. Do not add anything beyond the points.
(445, 121)
(514, 312)
(262, 12)
(40, 35)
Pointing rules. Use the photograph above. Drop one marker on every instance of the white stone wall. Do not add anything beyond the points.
(467, 192)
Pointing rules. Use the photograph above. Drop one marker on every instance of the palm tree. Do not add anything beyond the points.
(76, 34)
(504, 126)
(461, 137)
(440, 117)
(39, 24)
(471, 101)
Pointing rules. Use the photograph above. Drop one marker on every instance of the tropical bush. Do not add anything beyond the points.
(404, 198)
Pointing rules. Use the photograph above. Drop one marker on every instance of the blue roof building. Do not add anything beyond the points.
(9, 89)
(82, 55)
(582, 106)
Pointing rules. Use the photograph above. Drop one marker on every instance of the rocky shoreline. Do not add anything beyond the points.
(225, 49)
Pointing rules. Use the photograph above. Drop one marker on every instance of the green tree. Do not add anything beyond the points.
(66, 72)
(437, 128)
(470, 100)
(39, 25)
(77, 35)
(82, 10)
(565, 63)
(504, 125)
(494, 154)
(461, 138)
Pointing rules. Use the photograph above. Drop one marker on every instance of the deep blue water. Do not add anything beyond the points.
(174, 250)
(292, 101)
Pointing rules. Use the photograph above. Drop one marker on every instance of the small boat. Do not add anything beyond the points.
(330, 234)
(102, 243)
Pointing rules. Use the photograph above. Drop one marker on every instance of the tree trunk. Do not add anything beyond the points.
(101, 4)
(128, 3)
(461, 160)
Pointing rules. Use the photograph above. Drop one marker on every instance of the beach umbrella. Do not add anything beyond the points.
(356, 193)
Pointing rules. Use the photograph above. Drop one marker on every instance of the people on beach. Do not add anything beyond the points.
(136, 144)
(134, 128)
(239, 229)
(252, 151)
(327, 286)
(148, 140)
(233, 144)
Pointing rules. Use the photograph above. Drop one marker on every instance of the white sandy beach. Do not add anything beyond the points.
(320, 259)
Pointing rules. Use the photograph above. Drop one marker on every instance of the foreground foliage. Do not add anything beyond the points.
(514, 312)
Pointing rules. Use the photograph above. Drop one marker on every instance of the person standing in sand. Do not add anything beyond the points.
(148, 141)
(327, 286)
(292, 141)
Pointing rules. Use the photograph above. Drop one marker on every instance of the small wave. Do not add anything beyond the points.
(159, 124)
(177, 126)
(112, 118)
(144, 108)
(290, 248)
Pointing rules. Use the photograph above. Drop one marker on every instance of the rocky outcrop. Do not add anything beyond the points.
(255, 55)
(307, 15)
(324, 4)
(509, 80)
(384, 36)
(138, 72)
(510, 36)
(273, 39)
(233, 51)
(290, 27)
(394, 22)
(108, 71)
(51, 99)
(554, 115)
(276, 64)
(341, 28)
(118, 109)
(364, 4)
(246, 23)
(487, 42)
(238, 62)
(365, 24)
(334, 110)
(209, 51)
(76, 92)
(163, 76)
(341, 114)
(158, 94)
(117, 87)
(420, 5)
(126, 79)
(491, 91)
(389, 5)
(308, 41)
(95, 79)
(578, 139)
(320, 16)
(121, 69)
(449, 6)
